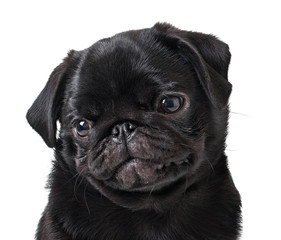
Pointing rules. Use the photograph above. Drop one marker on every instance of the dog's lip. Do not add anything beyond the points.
(163, 184)
(147, 194)
(168, 173)
(158, 165)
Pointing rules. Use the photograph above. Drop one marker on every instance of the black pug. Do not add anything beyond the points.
(140, 152)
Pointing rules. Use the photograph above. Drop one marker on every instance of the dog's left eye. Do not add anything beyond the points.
(171, 104)
(83, 127)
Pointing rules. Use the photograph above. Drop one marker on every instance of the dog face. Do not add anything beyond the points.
(140, 113)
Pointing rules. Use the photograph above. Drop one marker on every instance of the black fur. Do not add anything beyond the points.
(140, 172)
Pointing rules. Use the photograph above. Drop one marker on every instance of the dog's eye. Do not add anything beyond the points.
(171, 104)
(82, 128)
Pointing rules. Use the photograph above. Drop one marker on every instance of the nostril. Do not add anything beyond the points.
(116, 131)
(129, 127)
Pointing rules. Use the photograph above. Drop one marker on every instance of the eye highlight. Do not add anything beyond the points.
(82, 128)
(171, 104)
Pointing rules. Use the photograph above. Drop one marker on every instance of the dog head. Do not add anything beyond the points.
(140, 113)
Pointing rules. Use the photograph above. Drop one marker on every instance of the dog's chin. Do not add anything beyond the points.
(138, 175)
(159, 187)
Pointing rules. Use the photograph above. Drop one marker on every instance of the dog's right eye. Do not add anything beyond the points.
(171, 104)
(82, 128)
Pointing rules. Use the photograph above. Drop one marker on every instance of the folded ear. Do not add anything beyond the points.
(209, 56)
(45, 111)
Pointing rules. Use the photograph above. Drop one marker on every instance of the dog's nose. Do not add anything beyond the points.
(125, 130)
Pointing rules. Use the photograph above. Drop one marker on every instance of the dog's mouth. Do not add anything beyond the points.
(142, 175)
(146, 184)
(145, 175)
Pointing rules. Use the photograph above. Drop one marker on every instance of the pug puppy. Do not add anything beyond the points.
(140, 150)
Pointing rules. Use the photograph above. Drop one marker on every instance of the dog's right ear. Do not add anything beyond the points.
(209, 56)
(45, 111)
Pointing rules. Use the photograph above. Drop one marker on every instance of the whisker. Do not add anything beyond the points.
(211, 165)
(186, 184)
(70, 179)
(85, 200)
(76, 186)
(151, 192)
(241, 114)
(231, 150)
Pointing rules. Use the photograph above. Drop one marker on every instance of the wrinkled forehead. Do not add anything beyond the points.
(133, 67)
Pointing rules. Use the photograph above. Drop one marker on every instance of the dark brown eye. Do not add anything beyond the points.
(83, 127)
(171, 104)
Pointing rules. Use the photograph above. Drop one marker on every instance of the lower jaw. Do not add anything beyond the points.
(158, 199)
(158, 186)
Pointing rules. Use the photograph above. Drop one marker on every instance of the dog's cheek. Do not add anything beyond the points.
(81, 159)
(80, 167)
(68, 148)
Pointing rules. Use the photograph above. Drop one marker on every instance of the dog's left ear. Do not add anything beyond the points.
(45, 111)
(209, 56)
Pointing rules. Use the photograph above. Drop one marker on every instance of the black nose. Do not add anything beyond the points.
(125, 130)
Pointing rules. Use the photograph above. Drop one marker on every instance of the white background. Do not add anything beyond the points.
(36, 35)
